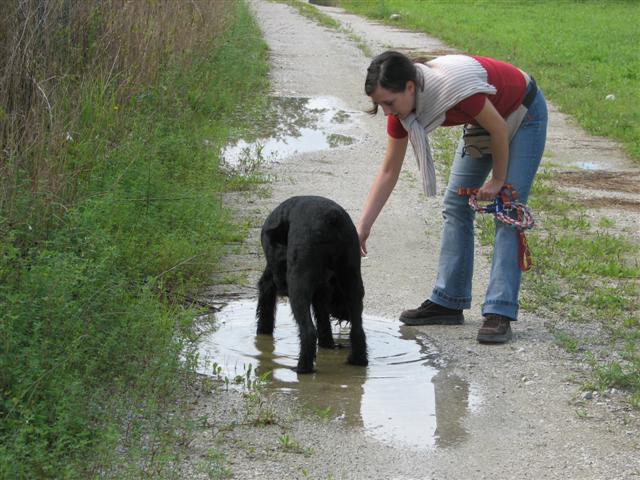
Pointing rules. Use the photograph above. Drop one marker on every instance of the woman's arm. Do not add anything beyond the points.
(382, 187)
(492, 122)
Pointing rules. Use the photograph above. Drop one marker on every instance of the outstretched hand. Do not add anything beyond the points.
(363, 234)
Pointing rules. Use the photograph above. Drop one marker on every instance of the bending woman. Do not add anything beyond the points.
(505, 118)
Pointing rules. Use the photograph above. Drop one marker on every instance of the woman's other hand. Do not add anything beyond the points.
(490, 190)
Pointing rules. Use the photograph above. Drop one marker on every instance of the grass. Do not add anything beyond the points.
(95, 350)
(585, 272)
(579, 51)
(288, 444)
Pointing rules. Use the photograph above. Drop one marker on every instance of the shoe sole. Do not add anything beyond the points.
(457, 319)
(504, 338)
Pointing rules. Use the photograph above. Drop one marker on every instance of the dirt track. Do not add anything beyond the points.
(530, 421)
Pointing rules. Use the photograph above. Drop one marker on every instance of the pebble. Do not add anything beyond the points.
(587, 396)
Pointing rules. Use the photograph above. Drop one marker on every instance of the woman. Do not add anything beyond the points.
(506, 122)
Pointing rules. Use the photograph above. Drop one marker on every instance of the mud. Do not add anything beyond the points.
(530, 422)
(618, 182)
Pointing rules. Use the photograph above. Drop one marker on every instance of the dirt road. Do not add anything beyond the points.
(525, 417)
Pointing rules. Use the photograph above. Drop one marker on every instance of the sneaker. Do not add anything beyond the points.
(495, 329)
(430, 313)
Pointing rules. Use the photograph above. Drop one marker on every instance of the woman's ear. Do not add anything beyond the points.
(410, 86)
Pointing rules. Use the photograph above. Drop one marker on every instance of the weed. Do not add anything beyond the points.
(582, 413)
(289, 445)
(214, 466)
(566, 341)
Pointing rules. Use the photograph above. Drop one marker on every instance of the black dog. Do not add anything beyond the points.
(313, 257)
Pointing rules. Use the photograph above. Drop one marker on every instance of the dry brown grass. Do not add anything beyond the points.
(52, 50)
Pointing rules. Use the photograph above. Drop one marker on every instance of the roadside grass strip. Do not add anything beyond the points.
(96, 352)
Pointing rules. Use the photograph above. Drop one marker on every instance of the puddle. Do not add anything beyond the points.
(293, 125)
(588, 166)
(402, 398)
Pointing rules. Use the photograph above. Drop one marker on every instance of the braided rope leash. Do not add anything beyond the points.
(507, 210)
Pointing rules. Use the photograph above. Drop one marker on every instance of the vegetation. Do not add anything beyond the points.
(581, 52)
(112, 117)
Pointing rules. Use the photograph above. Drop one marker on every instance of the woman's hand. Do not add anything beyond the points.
(490, 190)
(363, 234)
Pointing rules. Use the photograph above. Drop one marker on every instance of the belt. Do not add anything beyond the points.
(532, 91)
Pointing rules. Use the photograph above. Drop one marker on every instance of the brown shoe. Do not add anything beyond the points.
(430, 313)
(495, 329)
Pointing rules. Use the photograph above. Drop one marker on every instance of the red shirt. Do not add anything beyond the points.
(511, 88)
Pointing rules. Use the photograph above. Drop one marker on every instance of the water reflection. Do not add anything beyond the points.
(402, 398)
(588, 166)
(290, 125)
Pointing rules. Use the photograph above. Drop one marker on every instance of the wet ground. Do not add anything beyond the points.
(405, 397)
(433, 404)
(292, 125)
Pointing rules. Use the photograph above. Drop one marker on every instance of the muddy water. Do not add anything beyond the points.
(402, 398)
(294, 125)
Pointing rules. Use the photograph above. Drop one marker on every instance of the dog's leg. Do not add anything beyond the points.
(300, 299)
(266, 310)
(323, 322)
(358, 355)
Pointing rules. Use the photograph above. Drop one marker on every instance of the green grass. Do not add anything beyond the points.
(579, 51)
(92, 326)
(583, 273)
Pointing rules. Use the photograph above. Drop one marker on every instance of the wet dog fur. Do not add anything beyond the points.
(313, 257)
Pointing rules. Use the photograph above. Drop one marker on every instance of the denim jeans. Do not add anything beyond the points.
(455, 267)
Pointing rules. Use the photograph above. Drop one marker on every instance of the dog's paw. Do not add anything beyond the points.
(326, 343)
(357, 360)
(304, 369)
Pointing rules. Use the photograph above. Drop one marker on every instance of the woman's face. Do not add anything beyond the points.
(399, 104)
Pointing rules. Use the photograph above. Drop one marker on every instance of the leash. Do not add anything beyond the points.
(507, 210)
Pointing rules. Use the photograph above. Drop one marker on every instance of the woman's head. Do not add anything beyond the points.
(391, 82)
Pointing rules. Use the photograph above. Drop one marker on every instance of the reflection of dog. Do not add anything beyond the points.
(313, 257)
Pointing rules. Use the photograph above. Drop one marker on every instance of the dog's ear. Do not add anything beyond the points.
(277, 232)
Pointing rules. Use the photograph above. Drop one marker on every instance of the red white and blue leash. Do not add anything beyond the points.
(507, 210)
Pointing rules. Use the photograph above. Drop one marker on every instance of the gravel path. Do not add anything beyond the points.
(530, 421)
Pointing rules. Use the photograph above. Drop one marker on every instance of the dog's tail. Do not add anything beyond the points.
(266, 310)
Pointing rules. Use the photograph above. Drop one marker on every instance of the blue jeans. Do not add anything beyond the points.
(455, 267)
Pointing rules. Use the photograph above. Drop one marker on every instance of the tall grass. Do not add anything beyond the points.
(113, 117)
(580, 51)
(60, 57)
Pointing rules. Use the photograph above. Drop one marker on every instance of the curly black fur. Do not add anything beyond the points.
(313, 257)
